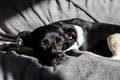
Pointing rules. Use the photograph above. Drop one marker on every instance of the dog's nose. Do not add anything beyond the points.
(60, 56)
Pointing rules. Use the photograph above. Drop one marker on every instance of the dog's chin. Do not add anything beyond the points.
(56, 61)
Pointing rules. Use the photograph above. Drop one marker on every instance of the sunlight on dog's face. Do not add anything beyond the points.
(52, 46)
(56, 41)
(53, 43)
(48, 42)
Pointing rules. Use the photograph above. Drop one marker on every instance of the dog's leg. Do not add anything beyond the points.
(97, 38)
(23, 39)
(75, 52)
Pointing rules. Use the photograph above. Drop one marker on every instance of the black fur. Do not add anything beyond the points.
(43, 39)
(48, 42)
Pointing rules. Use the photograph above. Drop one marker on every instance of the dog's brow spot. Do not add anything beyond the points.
(58, 39)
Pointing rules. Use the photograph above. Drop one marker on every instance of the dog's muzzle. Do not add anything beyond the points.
(60, 58)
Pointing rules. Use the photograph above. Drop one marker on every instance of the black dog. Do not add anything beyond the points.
(50, 42)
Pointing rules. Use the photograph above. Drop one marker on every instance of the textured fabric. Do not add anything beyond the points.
(22, 15)
(84, 67)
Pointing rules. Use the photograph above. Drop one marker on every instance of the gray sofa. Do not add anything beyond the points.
(26, 15)
(17, 16)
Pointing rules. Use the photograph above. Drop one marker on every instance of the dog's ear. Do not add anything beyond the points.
(70, 33)
(23, 39)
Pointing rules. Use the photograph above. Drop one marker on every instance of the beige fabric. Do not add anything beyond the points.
(85, 67)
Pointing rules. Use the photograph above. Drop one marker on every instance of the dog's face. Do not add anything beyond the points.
(50, 42)
(51, 48)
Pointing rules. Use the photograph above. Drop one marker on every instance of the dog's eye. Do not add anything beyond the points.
(59, 40)
(44, 43)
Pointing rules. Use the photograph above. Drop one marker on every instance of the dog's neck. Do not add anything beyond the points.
(80, 38)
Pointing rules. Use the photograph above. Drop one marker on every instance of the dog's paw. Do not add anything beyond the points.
(7, 46)
(114, 44)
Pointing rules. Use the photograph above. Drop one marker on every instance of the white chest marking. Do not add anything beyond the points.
(80, 38)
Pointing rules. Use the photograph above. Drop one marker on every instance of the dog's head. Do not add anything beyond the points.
(50, 42)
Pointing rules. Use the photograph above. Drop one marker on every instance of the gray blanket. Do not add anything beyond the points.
(85, 67)
(22, 15)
